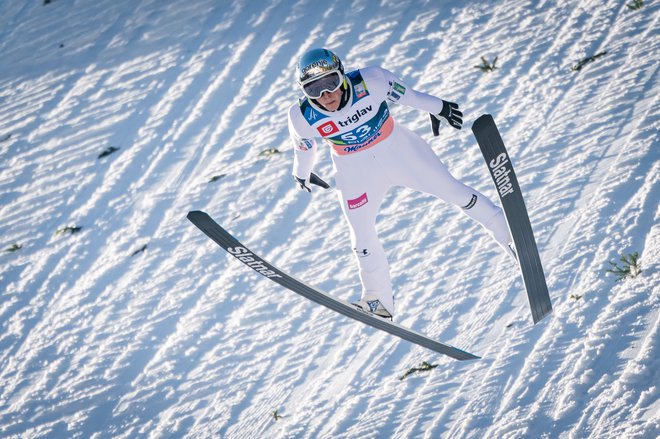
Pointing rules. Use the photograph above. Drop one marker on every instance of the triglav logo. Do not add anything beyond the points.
(501, 174)
(355, 116)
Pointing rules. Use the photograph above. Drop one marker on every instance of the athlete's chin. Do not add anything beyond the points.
(331, 106)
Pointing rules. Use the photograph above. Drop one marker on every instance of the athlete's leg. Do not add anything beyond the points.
(361, 190)
(417, 167)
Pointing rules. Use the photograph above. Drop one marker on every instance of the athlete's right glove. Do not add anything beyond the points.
(313, 179)
(450, 112)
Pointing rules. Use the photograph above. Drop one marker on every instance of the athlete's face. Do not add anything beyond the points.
(330, 101)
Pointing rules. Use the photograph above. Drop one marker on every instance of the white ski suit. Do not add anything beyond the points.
(371, 153)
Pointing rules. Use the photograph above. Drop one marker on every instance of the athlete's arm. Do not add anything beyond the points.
(392, 88)
(397, 91)
(304, 145)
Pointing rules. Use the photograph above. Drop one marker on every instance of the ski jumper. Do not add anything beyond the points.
(371, 153)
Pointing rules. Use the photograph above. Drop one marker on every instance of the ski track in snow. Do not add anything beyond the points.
(102, 337)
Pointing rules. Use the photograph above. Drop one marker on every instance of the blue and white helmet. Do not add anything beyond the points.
(318, 71)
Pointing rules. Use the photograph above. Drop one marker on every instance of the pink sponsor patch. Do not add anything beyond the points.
(358, 202)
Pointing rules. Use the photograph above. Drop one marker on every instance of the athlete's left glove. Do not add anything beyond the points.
(313, 179)
(450, 112)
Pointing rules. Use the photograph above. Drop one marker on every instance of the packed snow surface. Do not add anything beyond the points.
(120, 319)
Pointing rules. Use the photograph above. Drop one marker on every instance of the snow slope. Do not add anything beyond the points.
(102, 337)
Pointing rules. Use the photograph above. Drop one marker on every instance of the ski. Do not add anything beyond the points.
(225, 240)
(504, 177)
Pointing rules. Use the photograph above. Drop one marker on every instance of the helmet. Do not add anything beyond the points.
(319, 70)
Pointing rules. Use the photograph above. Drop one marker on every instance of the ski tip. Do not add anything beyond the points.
(483, 120)
(195, 215)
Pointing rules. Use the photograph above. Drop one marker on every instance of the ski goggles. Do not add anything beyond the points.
(329, 82)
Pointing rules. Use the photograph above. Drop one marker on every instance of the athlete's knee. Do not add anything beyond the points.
(368, 250)
(481, 209)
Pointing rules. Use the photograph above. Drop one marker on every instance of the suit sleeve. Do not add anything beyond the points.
(304, 144)
(396, 91)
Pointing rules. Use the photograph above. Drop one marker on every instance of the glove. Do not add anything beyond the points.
(313, 179)
(450, 112)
